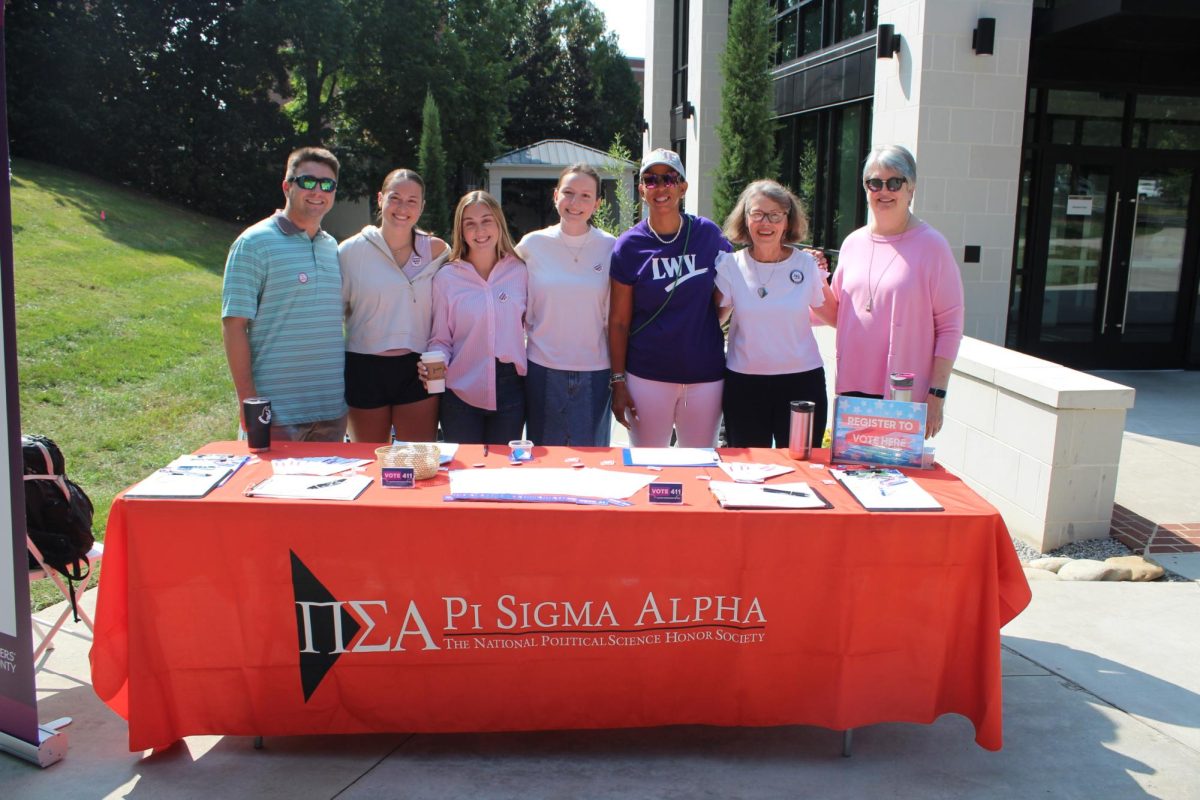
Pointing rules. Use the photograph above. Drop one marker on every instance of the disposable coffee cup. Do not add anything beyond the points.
(256, 411)
(435, 364)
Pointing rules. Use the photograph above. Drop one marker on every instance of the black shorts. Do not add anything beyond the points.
(377, 381)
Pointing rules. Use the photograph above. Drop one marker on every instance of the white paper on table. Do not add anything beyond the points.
(671, 457)
(316, 465)
(886, 490)
(310, 487)
(586, 482)
(169, 482)
(742, 495)
(744, 472)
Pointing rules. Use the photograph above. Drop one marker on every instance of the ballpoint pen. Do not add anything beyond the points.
(786, 491)
(327, 483)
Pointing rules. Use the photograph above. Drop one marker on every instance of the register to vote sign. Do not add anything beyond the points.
(870, 431)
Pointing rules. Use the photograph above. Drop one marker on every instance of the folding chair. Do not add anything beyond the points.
(44, 572)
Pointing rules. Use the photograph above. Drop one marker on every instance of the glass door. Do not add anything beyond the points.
(1119, 252)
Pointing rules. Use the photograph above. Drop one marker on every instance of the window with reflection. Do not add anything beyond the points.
(821, 158)
(802, 27)
(1166, 122)
(1085, 118)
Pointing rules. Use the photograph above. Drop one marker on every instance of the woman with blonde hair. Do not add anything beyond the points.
(770, 286)
(566, 390)
(479, 323)
(387, 291)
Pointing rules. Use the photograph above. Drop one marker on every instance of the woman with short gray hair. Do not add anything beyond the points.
(899, 293)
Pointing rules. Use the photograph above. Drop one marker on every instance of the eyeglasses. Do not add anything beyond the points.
(892, 184)
(650, 180)
(770, 216)
(310, 182)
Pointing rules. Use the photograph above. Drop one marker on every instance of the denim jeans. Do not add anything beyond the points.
(568, 408)
(466, 424)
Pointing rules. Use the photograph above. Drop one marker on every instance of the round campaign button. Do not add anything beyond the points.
(303, 277)
(797, 276)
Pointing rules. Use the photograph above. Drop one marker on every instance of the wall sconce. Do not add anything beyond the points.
(983, 38)
(642, 125)
(689, 110)
(887, 42)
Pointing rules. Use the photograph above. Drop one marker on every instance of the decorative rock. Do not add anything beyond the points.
(1040, 575)
(1053, 564)
(1087, 569)
(1143, 569)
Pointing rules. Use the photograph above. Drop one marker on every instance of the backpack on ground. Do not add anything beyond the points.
(58, 514)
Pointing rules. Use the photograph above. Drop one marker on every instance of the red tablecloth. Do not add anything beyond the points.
(401, 612)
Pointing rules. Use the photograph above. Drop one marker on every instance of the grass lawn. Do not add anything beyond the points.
(118, 329)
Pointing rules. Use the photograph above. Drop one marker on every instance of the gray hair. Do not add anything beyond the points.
(893, 157)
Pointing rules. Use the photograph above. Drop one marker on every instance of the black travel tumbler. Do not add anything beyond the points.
(256, 411)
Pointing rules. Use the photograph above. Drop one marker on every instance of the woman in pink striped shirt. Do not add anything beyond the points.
(479, 323)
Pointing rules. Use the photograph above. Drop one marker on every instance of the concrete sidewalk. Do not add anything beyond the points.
(1101, 696)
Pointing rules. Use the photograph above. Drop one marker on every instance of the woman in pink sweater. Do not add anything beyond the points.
(899, 292)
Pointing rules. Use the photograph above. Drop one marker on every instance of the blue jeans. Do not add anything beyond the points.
(466, 424)
(568, 408)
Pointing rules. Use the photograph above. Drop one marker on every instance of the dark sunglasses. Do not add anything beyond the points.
(310, 182)
(892, 184)
(650, 180)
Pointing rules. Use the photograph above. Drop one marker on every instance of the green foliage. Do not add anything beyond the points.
(432, 166)
(571, 79)
(746, 130)
(610, 219)
(199, 101)
(118, 327)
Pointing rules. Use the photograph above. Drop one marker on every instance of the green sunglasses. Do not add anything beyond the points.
(309, 182)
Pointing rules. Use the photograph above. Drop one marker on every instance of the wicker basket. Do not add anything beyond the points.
(423, 458)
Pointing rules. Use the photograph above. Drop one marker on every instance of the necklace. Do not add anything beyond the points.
(870, 270)
(661, 240)
(574, 251)
(762, 285)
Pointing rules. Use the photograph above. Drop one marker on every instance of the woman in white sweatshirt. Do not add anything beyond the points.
(387, 279)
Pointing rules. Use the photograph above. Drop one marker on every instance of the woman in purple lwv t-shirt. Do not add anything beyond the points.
(664, 336)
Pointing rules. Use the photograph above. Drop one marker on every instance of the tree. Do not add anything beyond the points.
(746, 130)
(432, 166)
(536, 59)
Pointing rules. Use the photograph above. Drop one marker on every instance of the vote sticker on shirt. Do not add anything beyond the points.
(503, 297)
(797, 276)
(303, 277)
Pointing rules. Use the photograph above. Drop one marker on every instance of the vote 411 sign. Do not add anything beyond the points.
(870, 431)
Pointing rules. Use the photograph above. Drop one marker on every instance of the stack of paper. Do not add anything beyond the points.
(189, 476)
(743, 472)
(778, 495)
(885, 489)
(310, 487)
(670, 457)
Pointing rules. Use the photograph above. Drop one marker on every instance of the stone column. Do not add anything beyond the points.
(962, 115)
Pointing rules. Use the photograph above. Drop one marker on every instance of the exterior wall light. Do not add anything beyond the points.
(983, 38)
(887, 42)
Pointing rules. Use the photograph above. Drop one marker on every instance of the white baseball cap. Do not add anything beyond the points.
(666, 157)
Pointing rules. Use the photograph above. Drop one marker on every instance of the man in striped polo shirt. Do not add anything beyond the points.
(281, 308)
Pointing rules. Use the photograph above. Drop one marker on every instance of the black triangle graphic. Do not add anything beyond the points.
(307, 589)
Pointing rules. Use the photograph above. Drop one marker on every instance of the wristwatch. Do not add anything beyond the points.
(941, 393)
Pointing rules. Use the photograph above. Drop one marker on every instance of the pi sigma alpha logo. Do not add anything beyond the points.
(458, 627)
